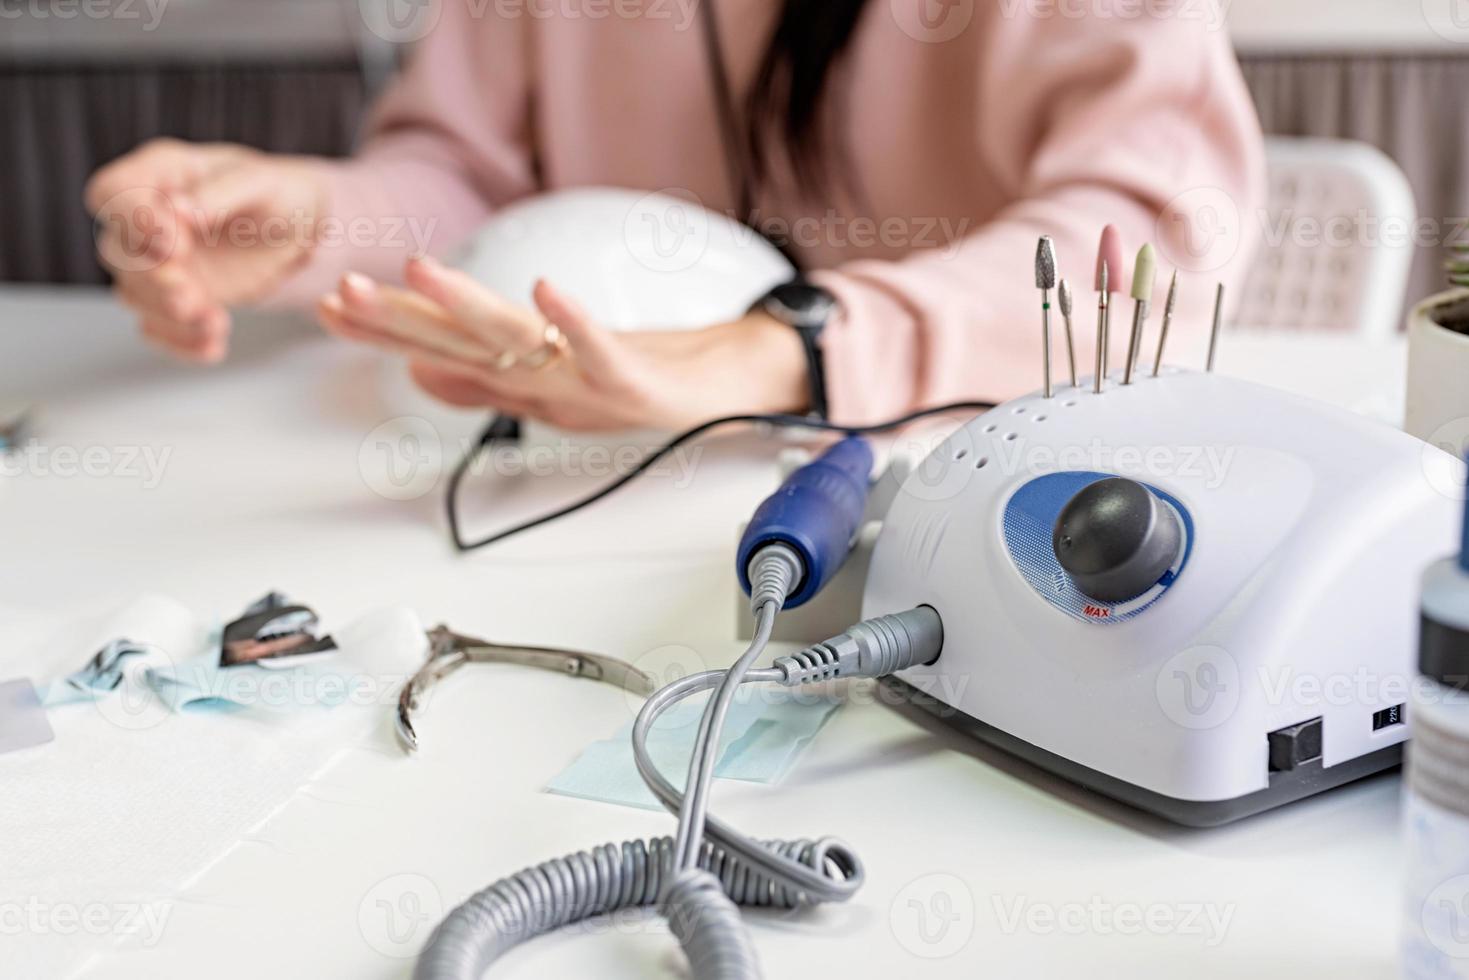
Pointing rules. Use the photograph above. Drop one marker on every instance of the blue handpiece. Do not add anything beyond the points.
(816, 512)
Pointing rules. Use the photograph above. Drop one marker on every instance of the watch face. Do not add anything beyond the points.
(801, 304)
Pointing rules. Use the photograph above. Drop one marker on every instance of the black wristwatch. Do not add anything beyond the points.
(806, 308)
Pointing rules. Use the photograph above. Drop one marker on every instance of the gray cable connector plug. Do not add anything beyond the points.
(872, 648)
(775, 572)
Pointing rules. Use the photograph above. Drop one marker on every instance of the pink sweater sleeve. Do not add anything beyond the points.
(1086, 121)
(447, 142)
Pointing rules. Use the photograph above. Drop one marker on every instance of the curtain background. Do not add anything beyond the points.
(1410, 106)
(58, 123)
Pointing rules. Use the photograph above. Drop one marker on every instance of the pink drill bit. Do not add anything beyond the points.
(1109, 279)
(1110, 252)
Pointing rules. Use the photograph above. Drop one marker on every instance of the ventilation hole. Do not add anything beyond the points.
(1019, 409)
(1069, 404)
(1040, 418)
(991, 428)
(1011, 437)
(960, 454)
(982, 462)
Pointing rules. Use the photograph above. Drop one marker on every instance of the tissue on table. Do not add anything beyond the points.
(764, 734)
(181, 670)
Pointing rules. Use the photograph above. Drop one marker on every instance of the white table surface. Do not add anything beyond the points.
(264, 490)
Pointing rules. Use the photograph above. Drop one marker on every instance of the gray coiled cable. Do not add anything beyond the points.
(700, 903)
(833, 874)
(697, 884)
(608, 879)
(697, 890)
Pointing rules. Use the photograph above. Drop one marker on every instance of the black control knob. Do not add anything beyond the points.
(1116, 539)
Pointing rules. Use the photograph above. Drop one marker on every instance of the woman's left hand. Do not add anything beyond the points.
(469, 347)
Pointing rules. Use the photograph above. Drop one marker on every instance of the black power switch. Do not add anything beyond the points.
(1295, 746)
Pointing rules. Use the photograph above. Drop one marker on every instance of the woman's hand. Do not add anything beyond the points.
(469, 347)
(191, 229)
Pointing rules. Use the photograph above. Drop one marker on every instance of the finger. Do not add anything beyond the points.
(337, 318)
(140, 229)
(411, 318)
(499, 324)
(472, 386)
(169, 292)
(205, 343)
(455, 389)
(165, 164)
(595, 349)
(235, 190)
(237, 206)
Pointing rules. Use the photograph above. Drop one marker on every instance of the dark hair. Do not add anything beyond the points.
(791, 105)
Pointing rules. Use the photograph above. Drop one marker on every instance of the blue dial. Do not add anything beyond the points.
(1030, 526)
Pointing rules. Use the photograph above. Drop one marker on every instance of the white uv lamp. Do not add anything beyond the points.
(1193, 594)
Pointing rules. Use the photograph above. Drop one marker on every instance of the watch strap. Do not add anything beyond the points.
(815, 370)
(809, 330)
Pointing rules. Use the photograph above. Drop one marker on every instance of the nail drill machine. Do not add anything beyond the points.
(1191, 593)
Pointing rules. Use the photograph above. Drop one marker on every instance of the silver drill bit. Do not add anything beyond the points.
(1065, 290)
(1134, 339)
(1045, 281)
(1214, 333)
(1167, 322)
(1146, 311)
(1101, 328)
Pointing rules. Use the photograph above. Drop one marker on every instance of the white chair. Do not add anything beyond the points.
(1336, 240)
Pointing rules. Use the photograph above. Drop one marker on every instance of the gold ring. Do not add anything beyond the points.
(553, 347)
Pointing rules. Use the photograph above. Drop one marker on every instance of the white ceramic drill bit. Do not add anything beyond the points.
(1143, 273)
(1167, 322)
(1045, 281)
(1064, 289)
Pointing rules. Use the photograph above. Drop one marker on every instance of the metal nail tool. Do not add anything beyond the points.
(1214, 331)
(272, 629)
(1167, 322)
(1045, 281)
(448, 651)
(1066, 299)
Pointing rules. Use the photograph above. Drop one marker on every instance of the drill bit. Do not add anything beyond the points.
(1143, 272)
(1167, 322)
(1109, 272)
(1101, 325)
(1045, 281)
(1214, 332)
(1065, 291)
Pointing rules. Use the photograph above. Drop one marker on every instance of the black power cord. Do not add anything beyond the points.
(503, 428)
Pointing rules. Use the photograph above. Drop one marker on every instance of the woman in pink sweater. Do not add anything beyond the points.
(923, 145)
